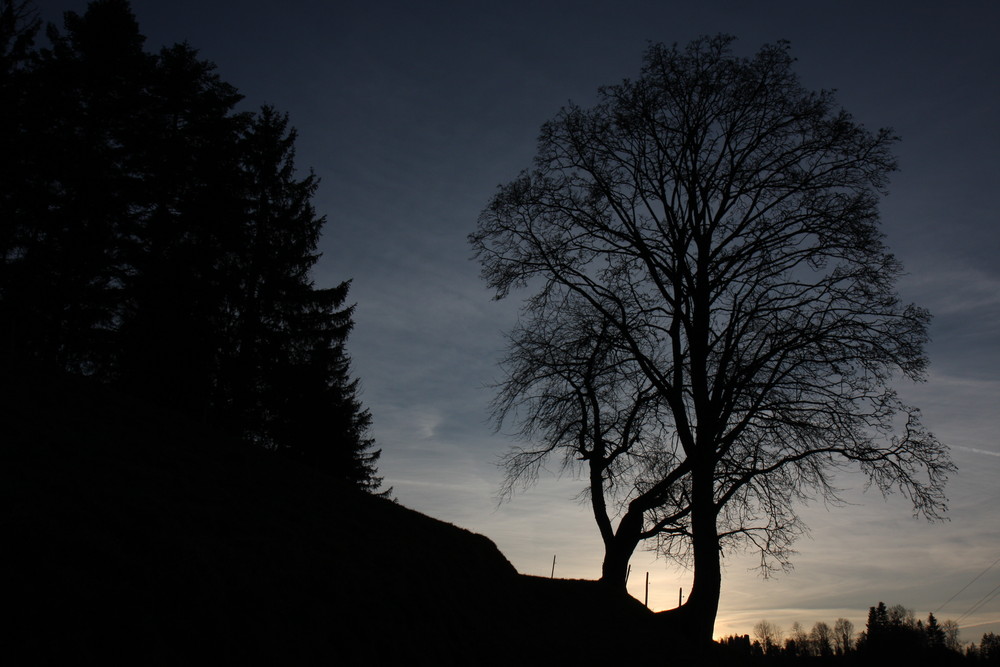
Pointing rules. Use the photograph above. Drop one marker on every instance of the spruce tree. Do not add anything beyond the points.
(288, 337)
(185, 224)
(161, 242)
(935, 635)
(66, 191)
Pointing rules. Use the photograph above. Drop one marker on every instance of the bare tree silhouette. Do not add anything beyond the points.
(714, 331)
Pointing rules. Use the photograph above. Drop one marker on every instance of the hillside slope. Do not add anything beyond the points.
(140, 536)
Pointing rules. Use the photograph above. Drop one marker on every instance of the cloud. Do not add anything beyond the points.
(976, 451)
(955, 290)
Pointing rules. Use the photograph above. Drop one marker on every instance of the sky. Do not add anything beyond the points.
(412, 113)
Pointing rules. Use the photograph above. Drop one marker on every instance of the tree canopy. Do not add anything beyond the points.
(713, 330)
(159, 240)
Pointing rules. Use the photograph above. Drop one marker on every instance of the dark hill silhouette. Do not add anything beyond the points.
(140, 535)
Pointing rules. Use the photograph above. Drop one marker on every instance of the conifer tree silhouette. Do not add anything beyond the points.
(161, 242)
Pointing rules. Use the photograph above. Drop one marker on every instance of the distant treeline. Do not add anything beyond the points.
(892, 635)
(160, 242)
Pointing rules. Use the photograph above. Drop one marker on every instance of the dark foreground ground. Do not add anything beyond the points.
(137, 537)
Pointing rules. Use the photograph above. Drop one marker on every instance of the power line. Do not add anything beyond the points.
(992, 594)
(966, 586)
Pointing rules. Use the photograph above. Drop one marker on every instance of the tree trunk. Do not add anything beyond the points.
(695, 620)
(618, 550)
(703, 603)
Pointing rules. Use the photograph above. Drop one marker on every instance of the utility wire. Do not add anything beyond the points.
(984, 600)
(966, 586)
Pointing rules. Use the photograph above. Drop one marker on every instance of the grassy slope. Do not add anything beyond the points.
(140, 536)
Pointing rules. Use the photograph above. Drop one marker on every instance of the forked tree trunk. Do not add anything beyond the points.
(614, 570)
(695, 619)
(618, 551)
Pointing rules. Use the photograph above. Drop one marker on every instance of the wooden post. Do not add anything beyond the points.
(647, 589)
(680, 596)
(553, 575)
(627, 573)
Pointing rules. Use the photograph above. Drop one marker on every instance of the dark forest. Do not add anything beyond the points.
(159, 242)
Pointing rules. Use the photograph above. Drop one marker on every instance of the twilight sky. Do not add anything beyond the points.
(413, 112)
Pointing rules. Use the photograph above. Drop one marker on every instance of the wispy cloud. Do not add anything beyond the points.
(955, 290)
(976, 451)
